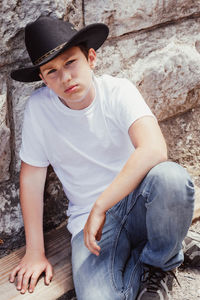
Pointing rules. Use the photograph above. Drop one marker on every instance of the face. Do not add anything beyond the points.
(70, 76)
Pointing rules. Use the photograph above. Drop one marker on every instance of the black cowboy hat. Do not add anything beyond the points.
(47, 37)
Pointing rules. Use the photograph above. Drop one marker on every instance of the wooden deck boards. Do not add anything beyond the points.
(58, 250)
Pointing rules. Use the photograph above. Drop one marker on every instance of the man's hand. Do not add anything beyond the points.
(32, 265)
(93, 230)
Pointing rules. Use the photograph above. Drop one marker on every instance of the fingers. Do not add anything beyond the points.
(91, 244)
(13, 274)
(48, 274)
(27, 280)
(20, 279)
(33, 282)
(99, 234)
(23, 282)
(23, 279)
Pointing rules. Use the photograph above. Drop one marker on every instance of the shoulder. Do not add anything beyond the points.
(38, 98)
(116, 86)
(118, 90)
(39, 93)
(112, 81)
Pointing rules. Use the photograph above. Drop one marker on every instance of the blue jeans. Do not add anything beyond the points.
(148, 226)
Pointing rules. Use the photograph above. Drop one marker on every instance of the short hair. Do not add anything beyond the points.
(84, 49)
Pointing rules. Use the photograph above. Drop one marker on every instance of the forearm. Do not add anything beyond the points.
(135, 169)
(32, 211)
(31, 198)
(34, 262)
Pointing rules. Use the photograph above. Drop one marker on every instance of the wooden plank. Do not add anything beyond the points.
(58, 251)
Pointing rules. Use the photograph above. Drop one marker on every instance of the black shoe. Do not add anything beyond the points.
(191, 249)
(156, 284)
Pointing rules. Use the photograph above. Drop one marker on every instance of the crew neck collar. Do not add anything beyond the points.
(66, 110)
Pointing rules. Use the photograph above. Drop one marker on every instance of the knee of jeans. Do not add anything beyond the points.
(93, 289)
(172, 179)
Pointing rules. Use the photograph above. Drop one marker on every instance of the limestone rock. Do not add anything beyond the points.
(74, 13)
(10, 212)
(19, 94)
(174, 72)
(5, 153)
(55, 205)
(163, 63)
(182, 135)
(128, 16)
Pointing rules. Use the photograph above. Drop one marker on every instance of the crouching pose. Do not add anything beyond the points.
(129, 209)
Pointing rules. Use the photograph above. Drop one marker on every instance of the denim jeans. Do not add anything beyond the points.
(148, 226)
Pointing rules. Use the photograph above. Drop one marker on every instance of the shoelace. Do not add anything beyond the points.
(154, 276)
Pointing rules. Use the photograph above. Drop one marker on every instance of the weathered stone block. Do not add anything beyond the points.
(19, 94)
(11, 223)
(182, 136)
(169, 79)
(128, 16)
(5, 153)
(74, 13)
(163, 63)
(56, 203)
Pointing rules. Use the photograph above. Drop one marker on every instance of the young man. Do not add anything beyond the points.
(129, 209)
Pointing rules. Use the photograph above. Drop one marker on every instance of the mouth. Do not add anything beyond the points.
(71, 88)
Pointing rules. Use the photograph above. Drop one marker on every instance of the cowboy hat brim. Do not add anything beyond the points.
(92, 35)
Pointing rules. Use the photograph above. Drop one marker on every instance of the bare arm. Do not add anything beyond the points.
(32, 180)
(150, 149)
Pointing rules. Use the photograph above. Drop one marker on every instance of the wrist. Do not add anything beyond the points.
(30, 249)
(98, 209)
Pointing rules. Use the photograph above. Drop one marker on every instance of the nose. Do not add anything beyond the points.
(65, 76)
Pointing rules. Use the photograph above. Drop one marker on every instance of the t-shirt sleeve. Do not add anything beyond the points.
(129, 104)
(32, 149)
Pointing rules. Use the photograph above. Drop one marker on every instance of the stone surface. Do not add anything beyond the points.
(175, 73)
(74, 13)
(11, 223)
(128, 16)
(182, 135)
(19, 94)
(163, 63)
(55, 204)
(5, 153)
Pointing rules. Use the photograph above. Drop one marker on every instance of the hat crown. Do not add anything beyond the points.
(47, 37)
(46, 34)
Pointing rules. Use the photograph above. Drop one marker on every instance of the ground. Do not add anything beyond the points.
(189, 279)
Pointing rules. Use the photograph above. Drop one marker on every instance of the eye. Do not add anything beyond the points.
(51, 71)
(69, 62)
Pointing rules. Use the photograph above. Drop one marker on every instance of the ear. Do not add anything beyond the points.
(41, 76)
(92, 58)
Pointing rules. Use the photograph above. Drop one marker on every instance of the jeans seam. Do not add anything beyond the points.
(126, 291)
(121, 293)
(115, 216)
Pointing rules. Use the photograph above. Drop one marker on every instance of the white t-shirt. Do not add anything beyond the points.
(86, 148)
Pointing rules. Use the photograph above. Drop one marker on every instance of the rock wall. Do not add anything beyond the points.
(154, 43)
